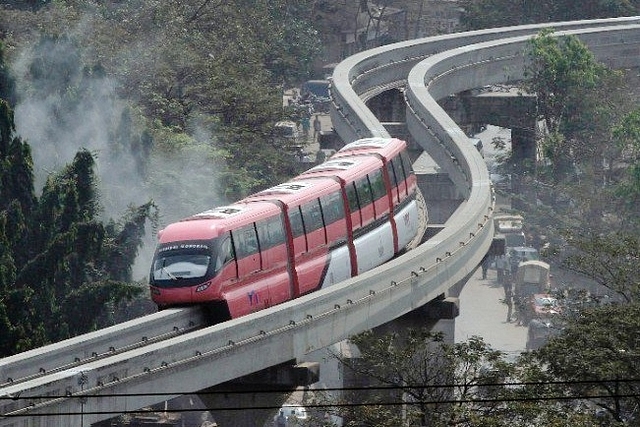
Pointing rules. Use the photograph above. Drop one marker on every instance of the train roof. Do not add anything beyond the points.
(296, 192)
(386, 147)
(213, 222)
(348, 168)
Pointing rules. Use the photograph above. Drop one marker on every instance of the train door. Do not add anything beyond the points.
(401, 177)
(354, 206)
(247, 294)
(311, 265)
(273, 250)
(365, 200)
(226, 268)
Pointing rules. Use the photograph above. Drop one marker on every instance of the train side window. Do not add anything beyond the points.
(225, 254)
(398, 169)
(364, 192)
(332, 207)
(246, 240)
(392, 174)
(352, 197)
(377, 185)
(270, 232)
(312, 216)
(295, 217)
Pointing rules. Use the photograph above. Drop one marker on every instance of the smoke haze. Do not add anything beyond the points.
(64, 107)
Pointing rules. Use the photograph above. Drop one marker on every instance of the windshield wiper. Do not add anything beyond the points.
(164, 270)
(171, 276)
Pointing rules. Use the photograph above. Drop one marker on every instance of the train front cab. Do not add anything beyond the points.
(246, 267)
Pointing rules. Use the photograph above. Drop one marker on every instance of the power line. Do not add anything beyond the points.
(22, 412)
(274, 390)
(335, 405)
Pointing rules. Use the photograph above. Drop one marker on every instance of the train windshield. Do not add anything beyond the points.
(181, 265)
(174, 267)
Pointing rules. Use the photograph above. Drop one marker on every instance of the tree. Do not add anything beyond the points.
(7, 84)
(478, 14)
(582, 103)
(597, 355)
(417, 379)
(626, 134)
(61, 269)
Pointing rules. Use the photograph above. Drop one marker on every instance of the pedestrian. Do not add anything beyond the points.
(500, 268)
(508, 298)
(514, 261)
(280, 420)
(317, 127)
(521, 314)
(486, 262)
(509, 301)
(305, 126)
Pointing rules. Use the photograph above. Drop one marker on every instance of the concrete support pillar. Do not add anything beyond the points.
(253, 400)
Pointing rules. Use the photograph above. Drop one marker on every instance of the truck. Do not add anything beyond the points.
(532, 277)
(511, 227)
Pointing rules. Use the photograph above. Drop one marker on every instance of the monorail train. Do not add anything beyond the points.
(345, 216)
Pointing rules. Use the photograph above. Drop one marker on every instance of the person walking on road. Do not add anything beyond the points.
(508, 298)
(305, 126)
(486, 262)
(317, 127)
(501, 265)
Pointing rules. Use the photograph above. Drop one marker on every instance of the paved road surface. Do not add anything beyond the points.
(483, 313)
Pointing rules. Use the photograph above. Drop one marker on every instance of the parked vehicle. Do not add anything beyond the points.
(287, 130)
(317, 92)
(532, 277)
(289, 415)
(540, 330)
(522, 254)
(511, 227)
(543, 306)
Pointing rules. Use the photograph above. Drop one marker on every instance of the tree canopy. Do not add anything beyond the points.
(478, 14)
(61, 269)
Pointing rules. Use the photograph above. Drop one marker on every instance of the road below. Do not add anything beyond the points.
(483, 313)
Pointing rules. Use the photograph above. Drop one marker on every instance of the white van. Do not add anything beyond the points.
(288, 130)
(288, 414)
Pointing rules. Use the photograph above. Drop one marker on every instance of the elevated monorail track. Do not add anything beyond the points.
(119, 369)
(73, 353)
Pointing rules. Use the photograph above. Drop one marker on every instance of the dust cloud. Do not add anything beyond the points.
(65, 106)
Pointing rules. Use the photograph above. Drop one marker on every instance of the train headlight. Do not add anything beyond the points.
(203, 287)
(155, 291)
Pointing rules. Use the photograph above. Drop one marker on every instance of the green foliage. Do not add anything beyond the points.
(60, 268)
(597, 355)
(585, 183)
(7, 83)
(627, 137)
(478, 14)
(559, 72)
(193, 67)
(432, 383)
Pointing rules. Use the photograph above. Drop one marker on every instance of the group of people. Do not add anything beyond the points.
(506, 270)
(304, 111)
(305, 122)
